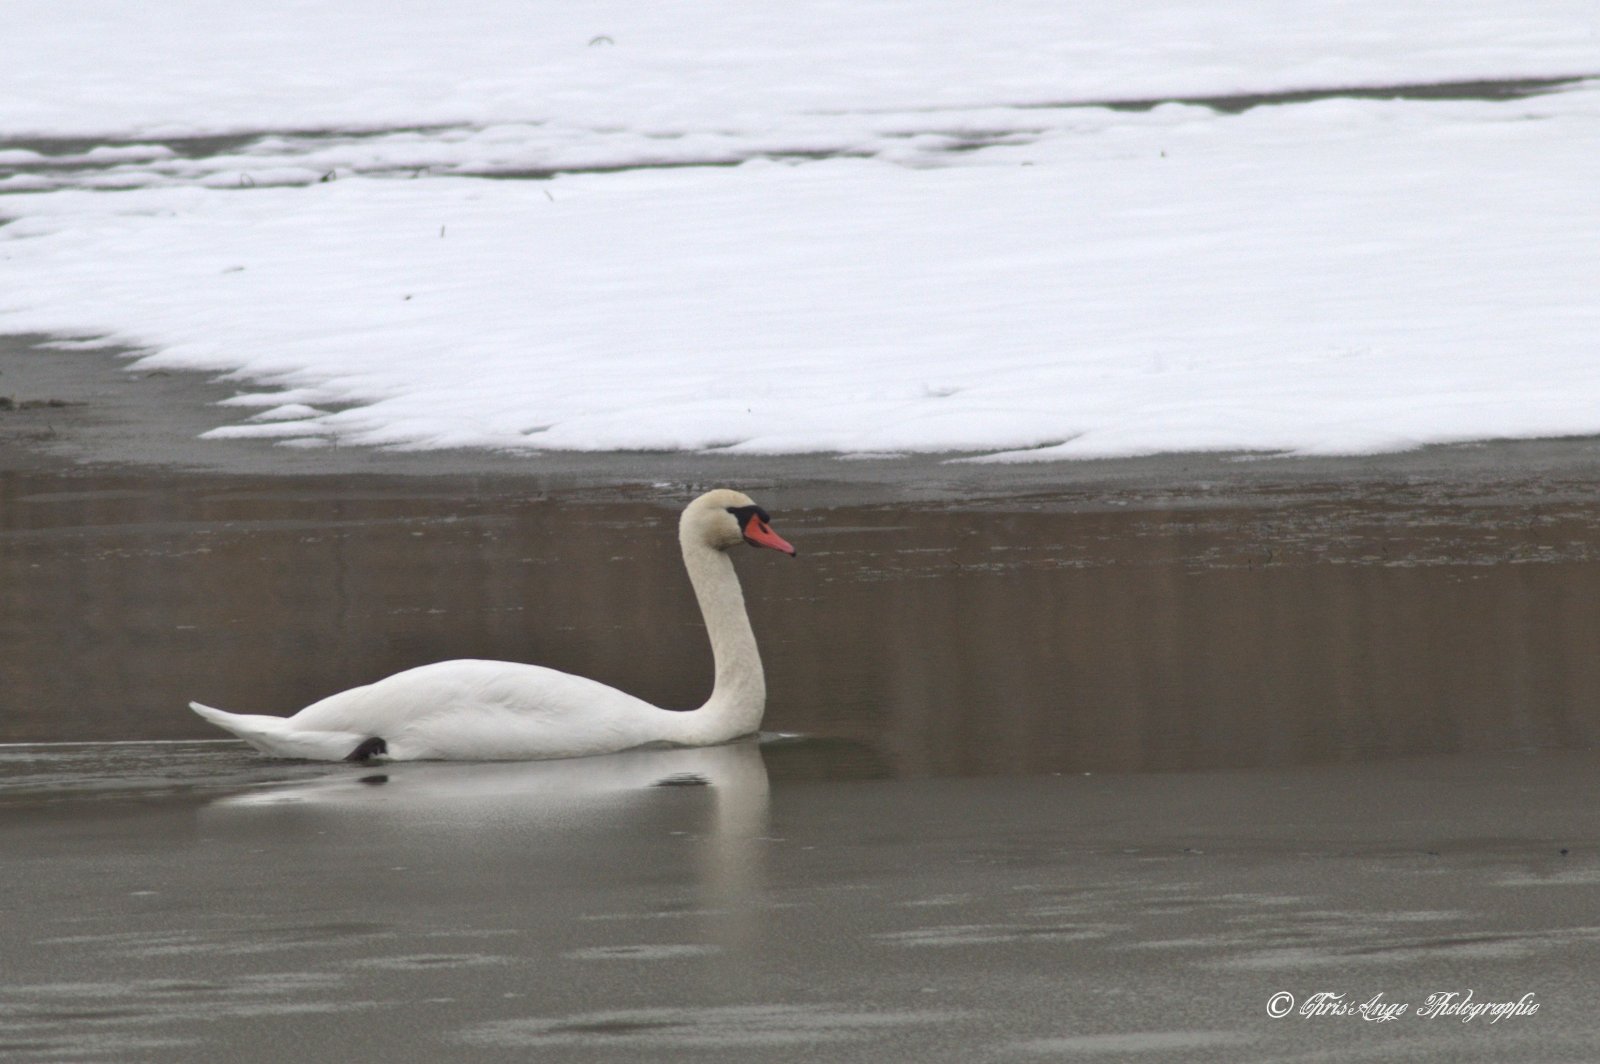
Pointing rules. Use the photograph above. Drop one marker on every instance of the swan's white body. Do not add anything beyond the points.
(497, 710)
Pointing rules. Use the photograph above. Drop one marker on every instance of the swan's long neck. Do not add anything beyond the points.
(740, 694)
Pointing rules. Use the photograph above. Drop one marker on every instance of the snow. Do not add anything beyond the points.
(819, 227)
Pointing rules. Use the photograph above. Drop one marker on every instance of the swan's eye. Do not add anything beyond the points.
(745, 514)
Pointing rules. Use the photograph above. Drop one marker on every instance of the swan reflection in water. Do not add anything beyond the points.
(696, 817)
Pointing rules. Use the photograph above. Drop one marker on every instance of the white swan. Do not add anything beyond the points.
(473, 710)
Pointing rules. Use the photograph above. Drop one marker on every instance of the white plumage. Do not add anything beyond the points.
(498, 710)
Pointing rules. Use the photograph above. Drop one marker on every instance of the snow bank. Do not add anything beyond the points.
(108, 67)
(906, 257)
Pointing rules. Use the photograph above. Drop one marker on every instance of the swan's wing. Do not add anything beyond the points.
(478, 710)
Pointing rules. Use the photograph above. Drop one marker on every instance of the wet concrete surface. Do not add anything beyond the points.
(1077, 761)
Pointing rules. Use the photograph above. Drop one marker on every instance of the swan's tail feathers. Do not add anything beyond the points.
(279, 737)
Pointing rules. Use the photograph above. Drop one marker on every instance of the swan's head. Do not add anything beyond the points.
(722, 519)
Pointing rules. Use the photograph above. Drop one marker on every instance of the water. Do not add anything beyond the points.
(1083, 630)
(661, 903)
(1087, 772)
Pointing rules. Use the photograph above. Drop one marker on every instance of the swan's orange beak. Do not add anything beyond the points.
(758, 533)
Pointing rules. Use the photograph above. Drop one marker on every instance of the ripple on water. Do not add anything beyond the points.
(725, 1027)
(1094, 1045)
(990, 934)
(648, 952)
(424, 961)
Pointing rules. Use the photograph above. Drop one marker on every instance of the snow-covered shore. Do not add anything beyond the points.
(834, 228)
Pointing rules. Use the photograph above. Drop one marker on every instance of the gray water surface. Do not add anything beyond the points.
(1086, 773)
(683, 904)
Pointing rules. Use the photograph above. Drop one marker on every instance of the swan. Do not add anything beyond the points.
(471, 710)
